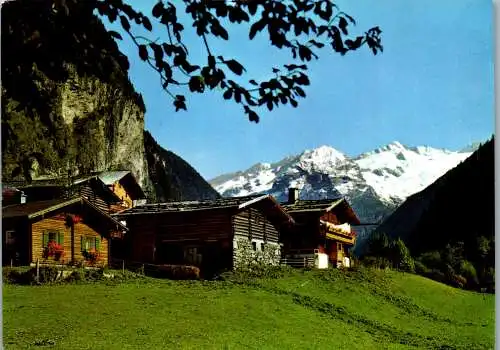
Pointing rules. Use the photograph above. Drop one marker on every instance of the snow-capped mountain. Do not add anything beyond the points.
(375, 183)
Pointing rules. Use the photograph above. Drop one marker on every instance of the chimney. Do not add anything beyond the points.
(23, 198)
(293, 195)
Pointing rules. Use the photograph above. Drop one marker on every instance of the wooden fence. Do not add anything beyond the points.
(298, 262)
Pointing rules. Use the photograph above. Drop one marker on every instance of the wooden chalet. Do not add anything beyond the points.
(57, 231)
(321, 226)
(90, 187)
(209, 234)
(124, 185)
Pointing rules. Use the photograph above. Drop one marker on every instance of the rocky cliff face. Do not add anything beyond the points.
(67, 103)
(172, 178)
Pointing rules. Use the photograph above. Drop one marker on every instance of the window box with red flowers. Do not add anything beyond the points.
(90, 248)
(72, 220)
(53, 250)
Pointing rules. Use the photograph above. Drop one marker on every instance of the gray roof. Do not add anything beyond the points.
(110, 177)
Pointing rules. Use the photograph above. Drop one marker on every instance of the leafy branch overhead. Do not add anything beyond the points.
(302, 27)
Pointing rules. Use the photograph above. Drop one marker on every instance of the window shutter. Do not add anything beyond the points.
(97, 243)
(82, 243)
(45, 239)
(60, 238)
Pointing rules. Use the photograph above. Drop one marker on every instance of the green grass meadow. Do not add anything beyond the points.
(365, 309)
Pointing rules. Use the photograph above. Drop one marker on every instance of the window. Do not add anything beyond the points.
(52, 236)
(9, 237)
(262, 247)
(254, 246)
(90, 243)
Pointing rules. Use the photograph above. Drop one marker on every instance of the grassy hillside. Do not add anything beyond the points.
(366, 309)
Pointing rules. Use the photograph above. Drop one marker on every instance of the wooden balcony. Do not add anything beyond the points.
(341, 233)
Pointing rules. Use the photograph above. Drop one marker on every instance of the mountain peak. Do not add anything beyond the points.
(394, 146)
(392, 172)
(470, 148)
(324, 152)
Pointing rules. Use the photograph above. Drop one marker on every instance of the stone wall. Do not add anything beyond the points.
(255, 252)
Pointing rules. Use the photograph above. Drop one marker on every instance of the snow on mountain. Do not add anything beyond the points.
(375, 183)
(391, 173)
(396, 172)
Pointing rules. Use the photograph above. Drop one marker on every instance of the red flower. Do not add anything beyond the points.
(77, 219)
(54, 249)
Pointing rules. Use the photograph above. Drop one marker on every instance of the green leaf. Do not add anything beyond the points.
(115, 34)
(158, 9)
(219, 31)
(299, 91)
(256, 27)
(146, 23)
(125, 23)
(302, 79)
(237, 96)
(343, 25)
(143, 52)
(252, 116)
(158, 51)
(235, 67)
(252, 7)
(228, 94)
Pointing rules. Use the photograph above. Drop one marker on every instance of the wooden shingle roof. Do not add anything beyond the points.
(34, 209)
(55, 183)
(191, 205)
(312, 205)
(266, 203)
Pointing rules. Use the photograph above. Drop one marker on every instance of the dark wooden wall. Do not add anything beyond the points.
(331, 218)
(253, 224)
(19, 252)
(195, 228)
(87, 192)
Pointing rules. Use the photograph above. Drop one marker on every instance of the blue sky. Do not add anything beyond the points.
(433, 85)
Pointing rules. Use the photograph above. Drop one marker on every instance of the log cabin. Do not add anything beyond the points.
(58, 231)
(89, 187)
(321, 226)
(213, 235)
(124, 185)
